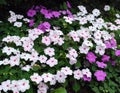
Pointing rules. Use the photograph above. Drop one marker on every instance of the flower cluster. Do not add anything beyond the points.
(15, 86)
(65, 53)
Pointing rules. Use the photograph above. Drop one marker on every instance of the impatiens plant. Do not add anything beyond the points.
(58, 52)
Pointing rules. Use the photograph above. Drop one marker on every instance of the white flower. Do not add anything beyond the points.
(83, 10)
(26, 20)
(42, 59)
(60, 77)
(53, 80)
(14, 85)
(96, 12)
(73, 53)
(87, 72)
(88, 43)
(42, 88)
(100, 49)
(90, 17)
(42, 85)
(6, 61)
(8, 50)
(52, 62)
(117, 15)
(72, 60)
(84, 49)
(18, 24)
(68, 19)
(49, 51)
(78, 74)
(47, 77)
(12, 19)
(60, 41)
(106, 7)
(25, 56)
(19, 16)
(97, 34)
(46, 40)
(6, 85)
(26, 68)
(82, 20)
(23, 85)
(36, 78)
(66, 70)
(34, 56)
(14, 60)
(74, 36)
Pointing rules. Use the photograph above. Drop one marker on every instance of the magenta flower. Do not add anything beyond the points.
(108, 44)
(100, 75)
(31, 23)
(101, 64)
(113, 42)
(85, 78)
(56, 14)
(48, 15)
(31, 13)
(44, 11)
(68, 4)
(117, 52)
(105, 58)
(44, 26)
(91, 57)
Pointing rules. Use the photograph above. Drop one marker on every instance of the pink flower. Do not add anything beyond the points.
(31, 13)
(117, 52)
(100, 75)
(101, 64)
(105, 58)
(56, 14)
(91, 57)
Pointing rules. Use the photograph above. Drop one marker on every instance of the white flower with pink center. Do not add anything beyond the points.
(66, 70)
(100, 49)
(52, 62)
(46, 40)
(42, 59)
(36, 78)
(78, 74)
(23, 85)
(47, 77)
(14, 86)
(60, 77)
(84, 49)
(6, 85)
(14, 61)
(49, 51)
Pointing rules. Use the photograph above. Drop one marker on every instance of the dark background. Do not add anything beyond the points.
(21, 6)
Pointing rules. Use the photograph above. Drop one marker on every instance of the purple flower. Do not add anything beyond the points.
(91, 57)
(108, 44)
(48, 15)
(112, 62)
(117, 52)
(85, 78)
(31, 23)
(101, 64)
(100, 75)
(113, 42)
(105, 58)
(44, 11)
(56, 14)
(44, 26)
(68, 4)
(31, 13)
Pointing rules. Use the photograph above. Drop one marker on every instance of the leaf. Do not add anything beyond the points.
(76, 87)
(59, 90)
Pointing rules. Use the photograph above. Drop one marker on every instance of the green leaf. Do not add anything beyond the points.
(76, 87)
(59, 90)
